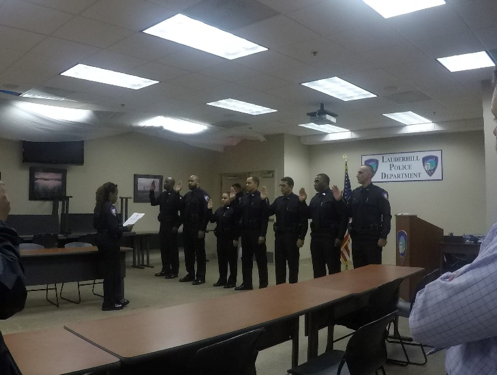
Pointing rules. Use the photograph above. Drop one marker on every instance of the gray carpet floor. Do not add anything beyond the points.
(148, 292)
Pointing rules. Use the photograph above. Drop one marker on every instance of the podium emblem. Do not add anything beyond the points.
(430, 164)
(373, 163)
(402, 245)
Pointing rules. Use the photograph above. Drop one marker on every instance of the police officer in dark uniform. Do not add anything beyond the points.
(290, 229)
(169, 202)
(194, 216)
(109, 232)
(238, 193)
(12, 283)
(253, 220)
(328, 227)
(227, 240)
(370, 211)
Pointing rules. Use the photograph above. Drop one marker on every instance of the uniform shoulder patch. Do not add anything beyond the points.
(113, 210)
(385, 194)
(206, 197)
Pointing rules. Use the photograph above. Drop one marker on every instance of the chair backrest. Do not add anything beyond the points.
(234, 356)
(366, 350)
(49, 240)
(30, 246)
(384, 299)
(78, 244)
(432, 276)
(90, 238)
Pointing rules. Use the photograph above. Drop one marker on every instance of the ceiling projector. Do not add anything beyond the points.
(322, 116)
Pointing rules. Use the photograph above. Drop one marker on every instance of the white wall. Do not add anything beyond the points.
(114, 159)
(456, 204)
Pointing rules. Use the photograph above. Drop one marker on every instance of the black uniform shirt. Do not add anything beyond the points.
(328, 215)
(254, 213)
(108, 220)
(290, 214)
(370, 211)
(224, 217)
(194, 208)
(170, 203)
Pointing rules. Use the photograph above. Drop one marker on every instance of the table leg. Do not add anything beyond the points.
(312, 338)
(295, 342)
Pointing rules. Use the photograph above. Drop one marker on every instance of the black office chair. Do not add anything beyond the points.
(48, 240)
(404, 310)
(234, 356)
(79, 244)
(382, 301)
(365, 354)
(30, 246)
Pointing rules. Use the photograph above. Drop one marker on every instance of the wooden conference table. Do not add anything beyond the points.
(57, 351)
(163, 332)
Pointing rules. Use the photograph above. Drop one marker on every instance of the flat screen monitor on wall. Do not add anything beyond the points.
(53, 152)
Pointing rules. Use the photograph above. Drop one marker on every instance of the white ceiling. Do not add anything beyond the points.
(307, 40)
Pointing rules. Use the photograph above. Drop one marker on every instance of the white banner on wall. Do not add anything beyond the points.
(406, 166)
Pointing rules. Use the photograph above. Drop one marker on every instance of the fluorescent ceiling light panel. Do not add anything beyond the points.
(185, 30)
(324, 128)
(239, 106)
(109, 77)
(407, 118)
(392, 8)
(339, 88)
(420, 128)
(467, 61)
(38, 94)
(56, 113)
(175, 125)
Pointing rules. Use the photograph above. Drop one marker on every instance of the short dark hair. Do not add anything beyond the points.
(255, 179)
(324, 177)
(289, 181)
(237, 186)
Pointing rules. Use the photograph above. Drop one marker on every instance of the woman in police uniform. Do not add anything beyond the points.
(109, 232)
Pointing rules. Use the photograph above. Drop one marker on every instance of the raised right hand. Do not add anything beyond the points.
(337, 194)
(232, 193)
(178, 186)
(4, 203)
(210, 204)
(302, 195)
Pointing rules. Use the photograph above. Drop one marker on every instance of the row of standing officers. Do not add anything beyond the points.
(246, 215)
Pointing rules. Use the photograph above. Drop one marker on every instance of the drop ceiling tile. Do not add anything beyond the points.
(9, 56)
(450, 44)
(158, 72)
(276, 32)
(118, 62)
(228, 71)
(269, 61)
(69, 6)
(91, 32)
(488, 37)
(287, 6)
(393, 55)
(136, 15)
(428, 23)
(145, 46)
(30, 17)
(191, 59)
(478, 14)
(262, 82)
(18, 40)
(196, 81)
(176, 5)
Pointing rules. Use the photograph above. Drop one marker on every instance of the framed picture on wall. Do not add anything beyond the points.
(46, 184)
(142, 184)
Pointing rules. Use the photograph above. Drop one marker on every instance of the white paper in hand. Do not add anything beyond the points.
(133, 219)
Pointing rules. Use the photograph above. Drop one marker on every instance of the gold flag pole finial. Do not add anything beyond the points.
(344, 156)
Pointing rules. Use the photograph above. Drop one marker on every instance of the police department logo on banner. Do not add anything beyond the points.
(406, 166)
(430, 164)
(373, 163)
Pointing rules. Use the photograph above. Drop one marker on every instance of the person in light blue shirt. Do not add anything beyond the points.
(459, 310)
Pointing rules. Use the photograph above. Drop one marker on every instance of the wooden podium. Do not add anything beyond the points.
(417, 245)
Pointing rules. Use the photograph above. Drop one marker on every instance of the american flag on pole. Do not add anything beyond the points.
(347, 192)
